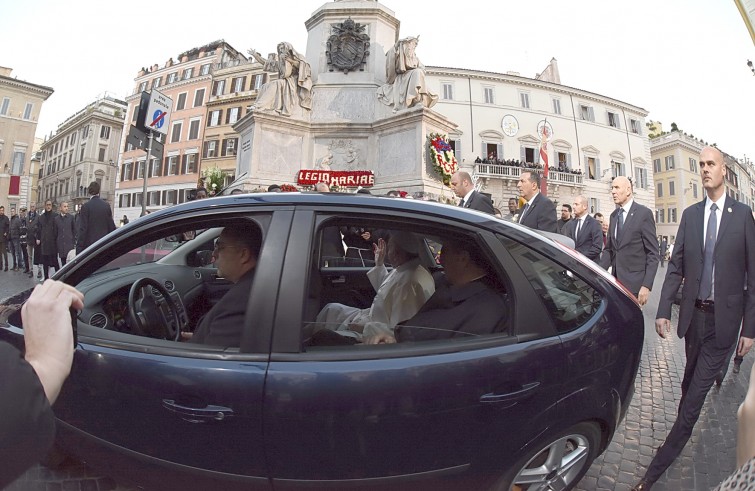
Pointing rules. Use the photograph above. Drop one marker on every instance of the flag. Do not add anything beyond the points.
(544, 160)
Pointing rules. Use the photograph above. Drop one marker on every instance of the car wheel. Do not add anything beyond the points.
(557, 464)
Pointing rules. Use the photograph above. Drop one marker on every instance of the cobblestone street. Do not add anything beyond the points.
(705, 461)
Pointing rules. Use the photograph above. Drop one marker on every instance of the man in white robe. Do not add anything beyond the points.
(400, 293)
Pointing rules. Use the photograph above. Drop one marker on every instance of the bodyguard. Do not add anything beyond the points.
(714, 254)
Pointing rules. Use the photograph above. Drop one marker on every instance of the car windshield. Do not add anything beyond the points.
(151, 251)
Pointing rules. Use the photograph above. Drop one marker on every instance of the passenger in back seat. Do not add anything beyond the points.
(400, 293)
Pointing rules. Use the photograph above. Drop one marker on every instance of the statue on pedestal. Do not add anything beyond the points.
(293, 86)
(406, 85)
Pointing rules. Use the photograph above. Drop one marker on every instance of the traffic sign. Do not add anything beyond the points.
(158, 112)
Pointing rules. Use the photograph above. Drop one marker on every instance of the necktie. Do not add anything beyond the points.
(619, 224)
(579, 228)
(706, 281)
(462, 203)
(524, 212)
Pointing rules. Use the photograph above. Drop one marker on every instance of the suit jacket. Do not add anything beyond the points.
(65, 233)
(223, 325)
(457, 311)
(590, 240)
(480, 202)
(634, 258)
(27, 427)
(541, 214)
(734, 269)
(95, 221)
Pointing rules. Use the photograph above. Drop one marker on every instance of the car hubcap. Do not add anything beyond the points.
(555, 467)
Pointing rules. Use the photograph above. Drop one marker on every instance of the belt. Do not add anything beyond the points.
(706, 306)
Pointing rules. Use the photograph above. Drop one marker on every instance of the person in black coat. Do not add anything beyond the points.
(632, 250)
(47, 240)
(539, 212)
(65, 233)
(584, 230)
(4, 238)
(463, 187)
(714, 259)
(235, 255)
(31, 382)
(95, 219)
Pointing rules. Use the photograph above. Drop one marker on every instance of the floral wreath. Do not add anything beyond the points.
(213, 178)
(442, 156)
(288, 188)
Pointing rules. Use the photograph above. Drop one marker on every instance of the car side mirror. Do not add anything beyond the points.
(202, 258)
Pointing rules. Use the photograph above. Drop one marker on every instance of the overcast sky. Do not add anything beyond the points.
(682, 60)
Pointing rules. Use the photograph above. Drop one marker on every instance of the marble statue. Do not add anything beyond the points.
(406, 85)
(293, 86)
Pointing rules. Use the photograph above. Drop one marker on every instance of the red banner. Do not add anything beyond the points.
(352, 179)
(15, 186)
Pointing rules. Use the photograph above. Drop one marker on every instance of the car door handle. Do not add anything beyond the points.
(198, 415)
(517, 395)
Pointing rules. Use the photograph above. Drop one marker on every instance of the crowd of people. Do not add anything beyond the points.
(39, 243)
(492, 159)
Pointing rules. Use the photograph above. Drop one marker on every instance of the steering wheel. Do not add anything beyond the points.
(148, 317)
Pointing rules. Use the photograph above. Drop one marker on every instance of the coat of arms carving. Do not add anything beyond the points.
(348, 46)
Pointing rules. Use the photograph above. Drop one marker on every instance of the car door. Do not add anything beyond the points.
(390, 414)
(178, 413)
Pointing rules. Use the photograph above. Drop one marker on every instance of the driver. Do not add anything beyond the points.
(235, 255)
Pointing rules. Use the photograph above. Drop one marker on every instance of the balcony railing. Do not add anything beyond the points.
(513, 172)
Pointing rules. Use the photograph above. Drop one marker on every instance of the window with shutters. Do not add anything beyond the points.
(172, 77)
(218, 88)
(205, 69)
(140, 169)
(672, 215)
(17, 168)
(198, 97)
(524, 99)
(189, 163)
(229, 147)
(617, 168)
(154, 168)
(143, 86)
(5, 106)
(613, 120)
(659, 190)
(214, 119)
(27, 110)
(692, 164)
(641, 175)
(594, 205)
(237, 84)
(259, 80)
(181, 102)
(669, 162)
(489, 95)
(210, 149)
(232, 115)
(101, 155)
(448, 91)
(194, 129)
(635, 126)
(157, 82)
(171, 197)
(172, 165)
(556, 106)
(586, 113)
(188, 73)
(126, 172)
(105, 132)
(592, 168)
(671, 188)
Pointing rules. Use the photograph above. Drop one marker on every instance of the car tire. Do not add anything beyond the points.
(561, 459)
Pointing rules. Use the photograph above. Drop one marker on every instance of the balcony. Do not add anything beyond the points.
(510, 172)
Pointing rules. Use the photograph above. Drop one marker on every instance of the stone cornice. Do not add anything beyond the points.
(355, 13)
(533, 83)
(41, 90)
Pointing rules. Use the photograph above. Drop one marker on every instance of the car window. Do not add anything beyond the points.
(415, 297)
(185, 270)
(569, 299)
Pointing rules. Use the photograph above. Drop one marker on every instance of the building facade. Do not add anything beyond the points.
(20, 106)
(593, 138)
(83, 149)
(174, 173)
(235, 85)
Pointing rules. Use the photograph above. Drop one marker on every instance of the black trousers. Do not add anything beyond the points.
(704, 361)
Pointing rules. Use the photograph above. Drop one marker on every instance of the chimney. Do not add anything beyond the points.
(5, 71)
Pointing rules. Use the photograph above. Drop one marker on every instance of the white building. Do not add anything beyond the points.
(498, 115)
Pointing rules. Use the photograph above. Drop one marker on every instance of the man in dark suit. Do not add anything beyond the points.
(462, 186)
(715, 257)
(538, 212)
(584, 230)
(235, 255)
(95, 219)
(466, 302)
(631, 245)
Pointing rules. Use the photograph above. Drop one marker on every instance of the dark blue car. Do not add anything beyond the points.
(514, 408)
